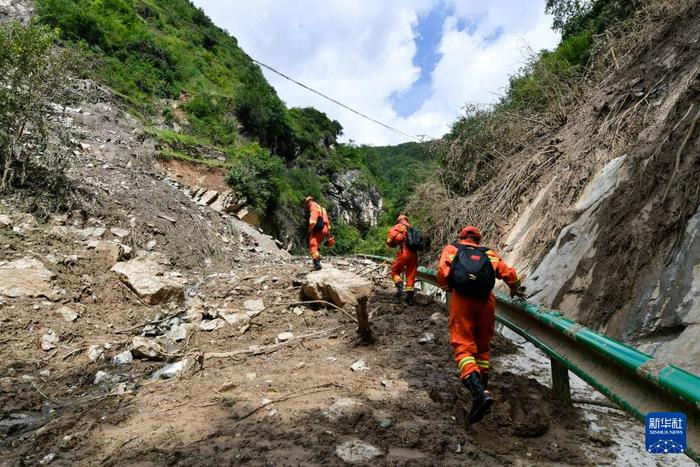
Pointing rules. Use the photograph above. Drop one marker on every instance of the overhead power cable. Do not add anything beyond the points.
(217, 41)
(413, 137)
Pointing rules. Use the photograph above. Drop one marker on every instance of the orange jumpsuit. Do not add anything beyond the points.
(472, 321)
(316, 237)
(405, 260)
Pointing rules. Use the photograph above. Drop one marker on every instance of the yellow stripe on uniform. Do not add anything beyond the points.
(483, 363)
(465, 361)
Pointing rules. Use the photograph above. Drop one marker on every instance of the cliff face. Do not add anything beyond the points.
(609, 233)
(353, 201)
(600, 212)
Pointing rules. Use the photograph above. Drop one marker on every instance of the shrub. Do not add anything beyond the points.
(255, 174)
(33, 78)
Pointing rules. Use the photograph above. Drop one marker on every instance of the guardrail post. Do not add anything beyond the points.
(560, 381)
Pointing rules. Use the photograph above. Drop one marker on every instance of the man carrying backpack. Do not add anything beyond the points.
(406, 259)
(469, 272)
(319, 228)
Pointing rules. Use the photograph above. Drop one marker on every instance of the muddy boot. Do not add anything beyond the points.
(485, 380)
(410, 297)
(317, 264)
(399, 290)
(481, 399)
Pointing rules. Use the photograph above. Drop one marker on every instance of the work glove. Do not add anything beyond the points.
(518, 291)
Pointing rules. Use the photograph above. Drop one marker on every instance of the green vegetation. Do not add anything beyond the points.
(205, 101)
(33, 75)
(539, 98)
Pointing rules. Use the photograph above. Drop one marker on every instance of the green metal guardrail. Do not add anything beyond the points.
(633, 380)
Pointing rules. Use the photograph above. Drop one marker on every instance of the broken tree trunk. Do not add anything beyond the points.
(363, 328)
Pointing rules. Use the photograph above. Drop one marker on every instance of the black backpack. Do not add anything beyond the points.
(414, 240)
(471, 273)
(319, 224)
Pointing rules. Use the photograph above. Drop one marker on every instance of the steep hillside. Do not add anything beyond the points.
(205, 102)
(598, 205)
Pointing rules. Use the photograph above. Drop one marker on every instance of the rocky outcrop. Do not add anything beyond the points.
(336, 286)
(354, 201)
(25, 277)
(147, 276)
(16, 10)
(225, 202)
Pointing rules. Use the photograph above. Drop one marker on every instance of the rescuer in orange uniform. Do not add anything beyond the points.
(473, 269)
(405, 260)
(319, 228)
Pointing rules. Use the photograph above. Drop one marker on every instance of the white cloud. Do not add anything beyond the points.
(360, 52)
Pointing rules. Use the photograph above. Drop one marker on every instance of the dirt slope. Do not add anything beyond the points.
(602, 214)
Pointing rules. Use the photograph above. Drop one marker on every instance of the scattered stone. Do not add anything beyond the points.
(68, 313)
(253, 307)
(438, 318)
(338, 287)
(208, 197)
(85, 146)
(104, 377)
(385, 423)
(95, 352)
(298, 311)
(151, 244)
(146, 276)
(359, 365)
(120, 233)
(112, 251)
(185, 367)
(251, 376)
(47, 459)
(142, 347)
(211, 324)
(123, 359)
(5, 221)
(234, 318)
(45, 373)
(26, 277)
(331, 359)
(227, 386)
(357, 452)
(49, 341)
(345, 410)
(179, 331)
(284, 336)
(426, 338)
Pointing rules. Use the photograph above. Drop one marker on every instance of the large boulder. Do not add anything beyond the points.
(148, 278)
(336, 286)
(26, 277)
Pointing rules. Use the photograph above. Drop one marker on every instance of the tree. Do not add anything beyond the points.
(33, 79)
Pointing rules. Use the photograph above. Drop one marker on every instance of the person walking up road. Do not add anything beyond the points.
(469, 272)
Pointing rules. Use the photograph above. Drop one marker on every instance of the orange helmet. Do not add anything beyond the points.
(308, 198)
(470, 232)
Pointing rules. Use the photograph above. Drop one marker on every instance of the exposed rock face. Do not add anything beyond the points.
(353, 201)
(25, 277)
(148, 278)
(11, 10)
(336, 286)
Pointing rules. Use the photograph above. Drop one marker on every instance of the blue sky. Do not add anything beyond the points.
(412, 64)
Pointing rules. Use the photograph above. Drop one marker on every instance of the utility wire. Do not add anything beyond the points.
(220, 43)
(335, 101)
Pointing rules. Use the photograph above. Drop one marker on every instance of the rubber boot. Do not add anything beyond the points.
(485, 380)
(317, 264)
(481, 398)
(410, 297)
(399, 290)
